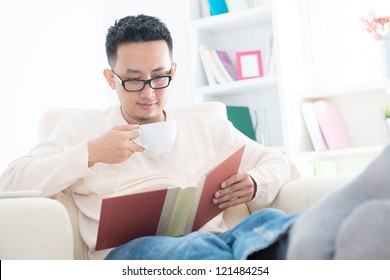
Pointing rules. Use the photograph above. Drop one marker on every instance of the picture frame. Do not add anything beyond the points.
(249, 65)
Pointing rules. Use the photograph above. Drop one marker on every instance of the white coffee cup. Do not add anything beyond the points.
(158, 137)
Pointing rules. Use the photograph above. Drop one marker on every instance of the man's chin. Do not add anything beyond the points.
(150, 118)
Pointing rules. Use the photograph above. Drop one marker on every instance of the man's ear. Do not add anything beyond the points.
(173, 71)
(110, 78)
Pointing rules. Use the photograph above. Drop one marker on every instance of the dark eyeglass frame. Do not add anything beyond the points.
(144, 81)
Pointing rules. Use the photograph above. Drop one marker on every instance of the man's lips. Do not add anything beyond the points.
(147, 104)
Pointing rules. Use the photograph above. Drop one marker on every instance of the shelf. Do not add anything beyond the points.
(243, 30)
(342, 152)
(356, 89)
(235, 20)
(242, 86)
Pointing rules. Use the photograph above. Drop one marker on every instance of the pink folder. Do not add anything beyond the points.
(331, 124)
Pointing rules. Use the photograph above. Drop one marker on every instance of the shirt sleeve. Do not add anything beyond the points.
(50, 167)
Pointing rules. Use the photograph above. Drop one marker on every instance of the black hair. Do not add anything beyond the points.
(135, 29)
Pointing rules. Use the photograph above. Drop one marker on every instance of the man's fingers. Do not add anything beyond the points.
(227, 190)
(126, 127)
(230, 194)
(232, 202)
(231, 180)
(135, 147)
(133, 134)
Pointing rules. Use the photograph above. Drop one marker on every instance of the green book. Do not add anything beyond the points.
(241, 118)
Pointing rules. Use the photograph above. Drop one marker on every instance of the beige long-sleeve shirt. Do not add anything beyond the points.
(62, 162)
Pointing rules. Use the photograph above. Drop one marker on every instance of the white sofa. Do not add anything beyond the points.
(44, 228)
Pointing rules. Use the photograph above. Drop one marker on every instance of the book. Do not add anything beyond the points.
(205, 8)
(331, 124)
(237, 5)
(162, 204)
(216, 69)
(272, 69)
(218, 7)
(219, 65)
(313, 127)
(227, 64)
(207, 65)
(269, 60)
(241, 119)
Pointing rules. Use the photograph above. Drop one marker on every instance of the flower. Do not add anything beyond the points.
(378, 26)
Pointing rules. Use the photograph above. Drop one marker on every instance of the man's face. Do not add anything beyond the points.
(142, 61)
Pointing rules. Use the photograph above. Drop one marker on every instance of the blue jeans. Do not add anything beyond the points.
(257, 232)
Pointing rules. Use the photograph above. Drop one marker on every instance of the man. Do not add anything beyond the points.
(88, 153)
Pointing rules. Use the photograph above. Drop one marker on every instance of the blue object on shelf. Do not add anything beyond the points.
(218, 7)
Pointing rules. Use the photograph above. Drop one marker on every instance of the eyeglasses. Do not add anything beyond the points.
(134, 85)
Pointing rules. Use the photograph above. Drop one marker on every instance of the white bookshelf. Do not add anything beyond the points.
(244, 30)
(295, 83)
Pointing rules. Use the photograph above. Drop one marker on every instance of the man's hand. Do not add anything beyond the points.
(114, 146)
(239, 188)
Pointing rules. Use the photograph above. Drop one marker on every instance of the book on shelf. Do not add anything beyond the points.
(241, 119)
(207, 65)
(331, 124)
(205, 8)
(217, 7)
(227, 64)
(164, 204)
(237, 5)
(217, 66)
(269, 56)
(219, 72)
(313, 127)
(223, 65)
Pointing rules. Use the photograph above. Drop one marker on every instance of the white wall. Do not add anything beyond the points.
(52, 55)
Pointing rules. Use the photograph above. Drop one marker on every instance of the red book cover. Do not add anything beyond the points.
(206, 209)
(127, 217)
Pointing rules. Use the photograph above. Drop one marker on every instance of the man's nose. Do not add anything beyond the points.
(147, 91)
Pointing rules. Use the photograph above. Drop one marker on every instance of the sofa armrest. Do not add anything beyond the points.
(298, 195)
(34, 228)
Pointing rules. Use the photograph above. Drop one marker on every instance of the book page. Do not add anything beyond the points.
(148, 182)
(181, 212)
